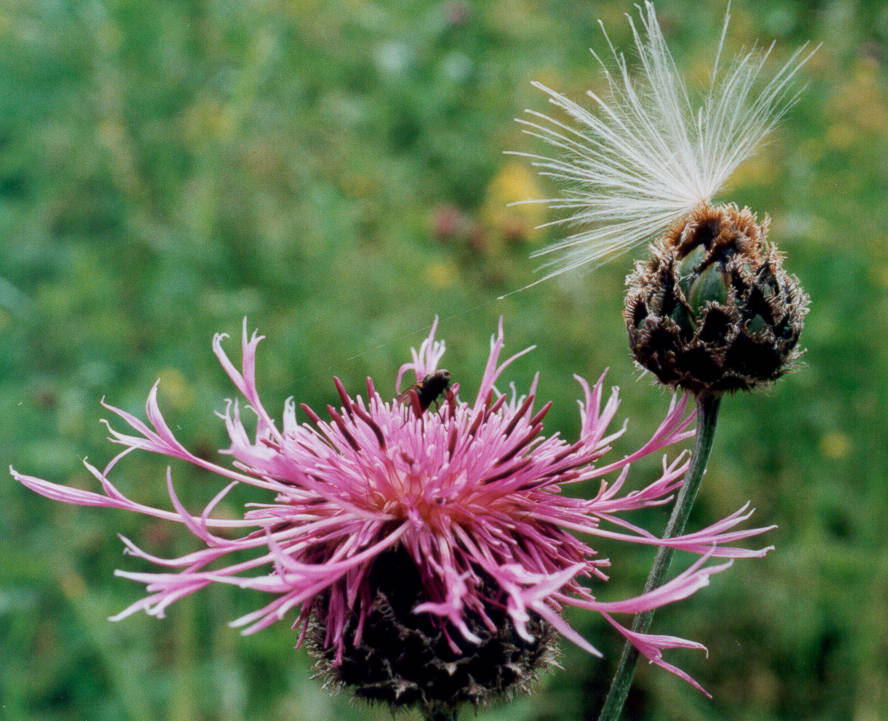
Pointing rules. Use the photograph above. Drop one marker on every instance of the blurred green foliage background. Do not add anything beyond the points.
(335, 172)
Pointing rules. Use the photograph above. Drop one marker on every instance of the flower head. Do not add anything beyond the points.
(649, 152)
(427, 535)
(713, 310)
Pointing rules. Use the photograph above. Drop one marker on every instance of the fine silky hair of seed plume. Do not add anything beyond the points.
(649, 151)
(713, 310)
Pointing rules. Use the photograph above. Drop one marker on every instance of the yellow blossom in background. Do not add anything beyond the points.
(439, 275)
(176, 390)
(109, 36)
(207, 119)
(859, 105)
(72, 584)
(841, 136)
(880, 274)
(761, 169)
(513, 183)
(835, 445)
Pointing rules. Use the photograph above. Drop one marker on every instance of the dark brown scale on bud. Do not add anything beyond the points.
(405, 659)
(713, 310)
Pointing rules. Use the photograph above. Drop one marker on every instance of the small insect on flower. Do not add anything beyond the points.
(428, 390)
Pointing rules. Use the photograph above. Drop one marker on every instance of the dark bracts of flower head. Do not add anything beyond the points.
(713, 310)
(470, 496)
(404, 659)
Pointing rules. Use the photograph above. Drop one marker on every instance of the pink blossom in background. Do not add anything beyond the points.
(471, 490)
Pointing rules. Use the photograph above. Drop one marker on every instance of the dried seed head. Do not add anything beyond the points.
(713, 310)
(405, 659)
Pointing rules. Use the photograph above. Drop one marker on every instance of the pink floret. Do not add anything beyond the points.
(472, 491)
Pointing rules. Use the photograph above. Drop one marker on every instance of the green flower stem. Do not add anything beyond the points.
(707, 416)
(440, 712)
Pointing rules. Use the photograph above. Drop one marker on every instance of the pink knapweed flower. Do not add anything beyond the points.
(470, 493)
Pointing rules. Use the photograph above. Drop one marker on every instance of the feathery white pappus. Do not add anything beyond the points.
(649, 152)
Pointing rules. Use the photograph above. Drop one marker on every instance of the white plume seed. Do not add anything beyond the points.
(648, 154)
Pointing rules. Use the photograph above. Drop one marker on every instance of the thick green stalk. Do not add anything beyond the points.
(707, 416)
